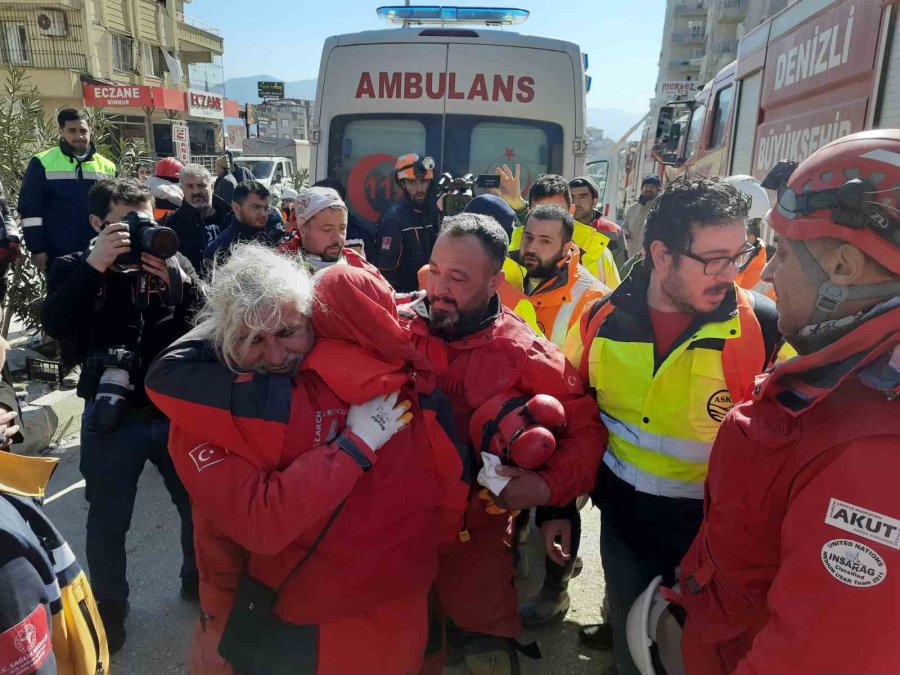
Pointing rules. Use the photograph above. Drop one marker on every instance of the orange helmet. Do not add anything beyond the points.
(847, 190)
(518, 428)
(168, 167)
(411, 166)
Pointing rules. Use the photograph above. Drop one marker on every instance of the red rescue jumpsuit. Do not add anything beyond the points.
(475, 581)
(796, 568)
(256, 455)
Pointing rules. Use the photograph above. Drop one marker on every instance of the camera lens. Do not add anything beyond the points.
(160, 241)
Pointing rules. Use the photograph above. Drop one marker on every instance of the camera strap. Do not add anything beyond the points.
(176, 284)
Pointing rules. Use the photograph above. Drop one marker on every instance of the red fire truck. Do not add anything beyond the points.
(818, 70)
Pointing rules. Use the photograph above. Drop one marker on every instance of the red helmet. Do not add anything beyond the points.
(518, 428)
(411, 166)
(847, 190)
(168, 167)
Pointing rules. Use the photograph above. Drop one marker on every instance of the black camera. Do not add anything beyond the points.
(458, 192)
(111, 371)
(146, 236)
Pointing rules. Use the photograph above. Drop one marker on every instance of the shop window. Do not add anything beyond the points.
(13, 44)
(123, 56)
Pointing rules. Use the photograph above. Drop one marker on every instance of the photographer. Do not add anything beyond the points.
(408, 227)
(122, 304)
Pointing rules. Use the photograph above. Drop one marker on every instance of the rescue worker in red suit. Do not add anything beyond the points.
(307, 445)
(796, 568)
(481, 349)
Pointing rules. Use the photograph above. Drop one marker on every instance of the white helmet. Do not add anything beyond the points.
(759, 198)
(650, 622)
(288, 193)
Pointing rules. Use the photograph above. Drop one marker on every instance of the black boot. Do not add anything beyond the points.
(551, 602)
(113, 615)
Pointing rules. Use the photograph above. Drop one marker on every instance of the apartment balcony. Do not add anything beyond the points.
(726, 47)
(685, 64)
(691, 7)
(197, 36)
(44, 38)
(689, 37)
(733, 10)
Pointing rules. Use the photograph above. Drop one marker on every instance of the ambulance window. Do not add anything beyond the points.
(693, 135)
(722, 109)
(493, 144)
(362, 151)
(479, 145)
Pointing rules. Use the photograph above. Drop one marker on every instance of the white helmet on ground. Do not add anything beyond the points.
(653, 634)
(759, 204)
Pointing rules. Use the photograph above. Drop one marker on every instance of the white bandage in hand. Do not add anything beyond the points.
(377, 420)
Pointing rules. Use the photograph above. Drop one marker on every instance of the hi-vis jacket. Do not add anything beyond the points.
(559, 300)
(663, 414)
(53, 201)
(49, 621)
(595, 253)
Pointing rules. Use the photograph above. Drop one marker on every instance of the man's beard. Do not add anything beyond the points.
(290, 366)
(445, 321)
(332, 254)
(543, 270)
(676, 291)
(199, 203)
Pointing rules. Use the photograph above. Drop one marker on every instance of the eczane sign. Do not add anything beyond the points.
(117, 96)
(205, 104)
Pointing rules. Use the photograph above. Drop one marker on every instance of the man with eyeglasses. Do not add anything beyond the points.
(667, 354)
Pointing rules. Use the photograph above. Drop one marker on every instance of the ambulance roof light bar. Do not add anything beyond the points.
(439, 15)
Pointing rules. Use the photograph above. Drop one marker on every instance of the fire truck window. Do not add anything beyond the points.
(722, 109)
(693, 134)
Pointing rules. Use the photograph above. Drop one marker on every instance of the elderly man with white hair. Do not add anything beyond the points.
(322, 478)
(201, 216)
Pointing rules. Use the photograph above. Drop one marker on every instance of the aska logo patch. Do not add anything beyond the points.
(25, 646)
(864, 523)
(206, 455)
(719, 404)
(853, 563)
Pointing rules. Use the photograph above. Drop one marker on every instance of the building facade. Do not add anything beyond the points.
(285, 118)
(144, 62)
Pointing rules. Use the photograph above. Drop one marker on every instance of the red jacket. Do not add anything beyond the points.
(257, 456)
(506, 354)
(796, 568)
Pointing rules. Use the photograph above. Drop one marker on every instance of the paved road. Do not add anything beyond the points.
(160, 623)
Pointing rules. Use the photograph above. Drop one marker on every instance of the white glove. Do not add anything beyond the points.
(377, 420)
(488, 475)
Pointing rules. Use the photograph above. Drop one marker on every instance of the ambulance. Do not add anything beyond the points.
(450, 85)
(816, 71)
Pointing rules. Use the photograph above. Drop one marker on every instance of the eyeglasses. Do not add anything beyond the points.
(715, 266)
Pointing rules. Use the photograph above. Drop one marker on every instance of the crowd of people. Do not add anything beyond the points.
(358, 423)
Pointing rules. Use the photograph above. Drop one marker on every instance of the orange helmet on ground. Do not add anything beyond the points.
(168, 167)
(518, 428)
(847, 190)
(411, 166)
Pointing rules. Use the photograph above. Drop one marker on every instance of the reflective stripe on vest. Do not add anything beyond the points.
(58, 166)
(662, 424)
(566, 312)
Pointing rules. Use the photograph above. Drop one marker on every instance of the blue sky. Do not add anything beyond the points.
(284, 39)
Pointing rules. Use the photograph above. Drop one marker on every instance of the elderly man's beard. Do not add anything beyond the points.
(290, 366)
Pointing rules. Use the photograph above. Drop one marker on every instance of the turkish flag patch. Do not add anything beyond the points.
(25, 646)
(206, 455)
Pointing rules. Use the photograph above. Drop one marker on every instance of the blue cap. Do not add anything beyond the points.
(496, 208)
(652, 179)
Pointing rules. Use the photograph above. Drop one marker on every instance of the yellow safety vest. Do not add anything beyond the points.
(594, 252)
(663, 417)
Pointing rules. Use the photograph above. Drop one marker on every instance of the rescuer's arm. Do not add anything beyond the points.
(833, 605)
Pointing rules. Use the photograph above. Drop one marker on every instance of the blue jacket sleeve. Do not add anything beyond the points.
(31, 206)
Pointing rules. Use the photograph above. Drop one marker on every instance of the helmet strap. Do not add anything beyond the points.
(832, 296)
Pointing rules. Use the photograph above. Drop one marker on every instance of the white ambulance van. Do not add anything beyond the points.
(449, 85)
